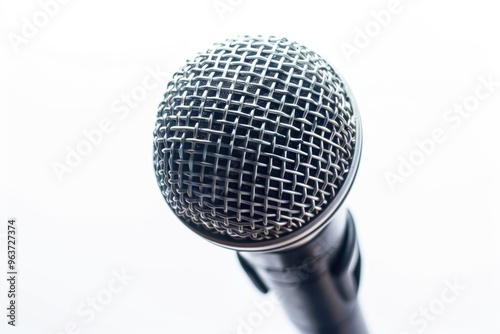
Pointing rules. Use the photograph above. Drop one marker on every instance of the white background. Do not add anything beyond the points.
(107, 214)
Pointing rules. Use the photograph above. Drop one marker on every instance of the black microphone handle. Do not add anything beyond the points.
(316, 282)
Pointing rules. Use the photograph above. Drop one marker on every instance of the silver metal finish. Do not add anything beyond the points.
(257, 143)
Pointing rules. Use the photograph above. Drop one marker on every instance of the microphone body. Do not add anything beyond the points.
(316, 281)
(256, 146)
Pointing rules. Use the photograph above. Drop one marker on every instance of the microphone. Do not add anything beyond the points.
(256, 145)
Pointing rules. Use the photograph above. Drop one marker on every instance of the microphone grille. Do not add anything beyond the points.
(253, 139)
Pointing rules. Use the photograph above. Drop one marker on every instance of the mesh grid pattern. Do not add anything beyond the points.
(253, 138)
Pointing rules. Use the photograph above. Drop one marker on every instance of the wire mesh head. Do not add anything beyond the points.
(253, 139)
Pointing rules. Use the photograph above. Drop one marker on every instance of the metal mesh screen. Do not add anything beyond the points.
(253, 138)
